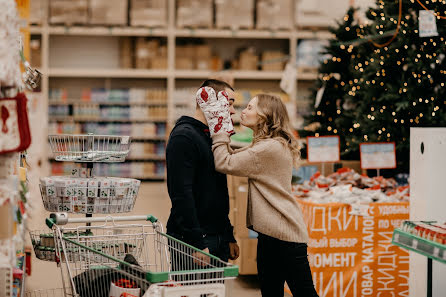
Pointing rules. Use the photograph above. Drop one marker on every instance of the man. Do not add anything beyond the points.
(199, 194)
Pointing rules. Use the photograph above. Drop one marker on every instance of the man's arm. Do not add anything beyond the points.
(182, 159)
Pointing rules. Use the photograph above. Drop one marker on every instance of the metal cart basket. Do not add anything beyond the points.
(132, 259)
(90, 148)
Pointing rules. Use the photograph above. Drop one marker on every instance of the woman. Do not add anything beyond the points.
(273, 212)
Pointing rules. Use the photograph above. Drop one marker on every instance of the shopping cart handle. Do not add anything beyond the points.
(152, 219)
(50, 222)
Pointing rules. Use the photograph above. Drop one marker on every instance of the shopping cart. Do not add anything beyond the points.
(134, 258)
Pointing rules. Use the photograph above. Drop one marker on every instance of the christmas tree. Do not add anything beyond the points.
(332, 115)
(401, 82)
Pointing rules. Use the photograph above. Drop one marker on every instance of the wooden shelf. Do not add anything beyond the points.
(154, 138)
(74, 101)
(238, 33)
(99, 31)
(112, 73)
(237, 74)
(147, 158)
(102, 120)
(163, 32)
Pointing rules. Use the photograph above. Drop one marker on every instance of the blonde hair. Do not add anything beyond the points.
(274, 122)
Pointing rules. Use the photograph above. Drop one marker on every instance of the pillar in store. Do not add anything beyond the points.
(427, 201)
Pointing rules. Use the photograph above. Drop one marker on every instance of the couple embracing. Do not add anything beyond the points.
(199, 156)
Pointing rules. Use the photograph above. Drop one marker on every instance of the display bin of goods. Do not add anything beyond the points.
(347, 186)
(88, 195)
(89, 148)
(424, 237)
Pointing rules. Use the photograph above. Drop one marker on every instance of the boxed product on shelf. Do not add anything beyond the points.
(203, 57)
(37, 11)
(277, 14)
(185, 63)
(150, 54)
(68, 12)
(273, 60)
(195, 13)
(149, 13)
(125, 52)
(248, 60)
(108, 12)
(234, 14)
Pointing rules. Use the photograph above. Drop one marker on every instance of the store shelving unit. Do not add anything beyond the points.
(427, 248)
(169, 78)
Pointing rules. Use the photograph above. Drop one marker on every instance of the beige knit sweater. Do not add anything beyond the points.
(268, 164)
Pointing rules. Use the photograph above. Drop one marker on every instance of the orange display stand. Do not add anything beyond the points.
(353, 255)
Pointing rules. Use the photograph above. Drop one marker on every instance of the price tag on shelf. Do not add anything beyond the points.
(378, 155)
(323, 149)
(436, 252)
(396, 237)
(414, 243)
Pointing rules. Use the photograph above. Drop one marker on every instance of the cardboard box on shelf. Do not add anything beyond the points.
(37, 11)
(202, 51)
(159, 63)
(216, 64)
(195, 13)
(234, 14)
(149, 13)
(203, 63)
(125, 52)
(248, 60)
(277, 14)
(108, 12)
(68, 12)
(273, 61)
(185, 51)
(146, 51)
(184, 63)
(247, 262)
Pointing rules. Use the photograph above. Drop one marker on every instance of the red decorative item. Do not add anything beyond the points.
(204, 95)
(219, 125)
(15, 134)
(4, 116)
